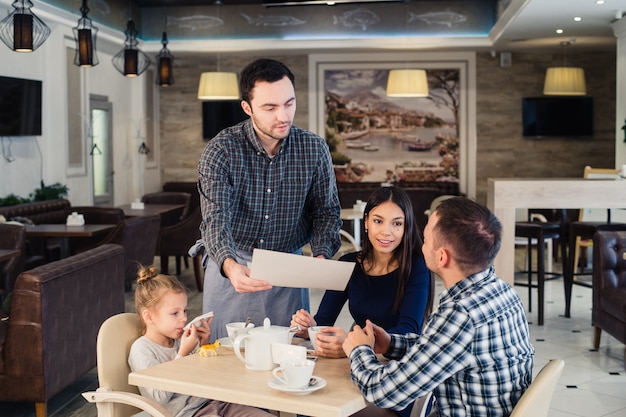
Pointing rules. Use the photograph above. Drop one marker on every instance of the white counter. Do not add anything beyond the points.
(505, 195)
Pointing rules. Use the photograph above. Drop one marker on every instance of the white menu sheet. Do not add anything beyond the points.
(297, 271)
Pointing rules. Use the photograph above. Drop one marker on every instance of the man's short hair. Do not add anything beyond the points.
(472, 231)
(263, 69)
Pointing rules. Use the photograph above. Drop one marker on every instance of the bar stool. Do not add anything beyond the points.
(537, 233)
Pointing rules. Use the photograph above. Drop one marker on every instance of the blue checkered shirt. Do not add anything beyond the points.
(250, 200)
(474, 354)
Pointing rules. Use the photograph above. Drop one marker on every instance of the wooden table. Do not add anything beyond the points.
(65, 232)
(6, 254)
(356, 216)
(225, 378)
(150, 209)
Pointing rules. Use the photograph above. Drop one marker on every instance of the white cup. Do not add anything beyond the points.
(285, 351)
(313, 331)
(236, 328)
(623, 170)
(296, 373)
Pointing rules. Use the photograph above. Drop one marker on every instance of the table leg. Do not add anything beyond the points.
(357, 231)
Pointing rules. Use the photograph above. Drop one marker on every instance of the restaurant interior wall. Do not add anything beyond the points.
(46, 156)
(502, 151)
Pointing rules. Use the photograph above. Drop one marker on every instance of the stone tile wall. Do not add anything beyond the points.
(501, 149)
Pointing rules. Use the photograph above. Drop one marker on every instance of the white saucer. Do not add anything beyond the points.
(280, 386)
(225, 341)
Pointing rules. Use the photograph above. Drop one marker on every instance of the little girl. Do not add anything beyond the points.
(161, 302)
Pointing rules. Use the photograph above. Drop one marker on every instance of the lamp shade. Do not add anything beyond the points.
(407, 83)
(21, 30)
(565, 81)
(85, 35)
(218, 86)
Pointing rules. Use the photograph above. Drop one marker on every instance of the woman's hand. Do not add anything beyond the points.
(329, 342)
(304, 319)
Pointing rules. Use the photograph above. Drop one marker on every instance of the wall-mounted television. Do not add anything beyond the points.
(20, 107)
(557, 116)
(220, 114)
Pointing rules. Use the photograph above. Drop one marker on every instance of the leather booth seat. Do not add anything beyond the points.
(608, 312)
(49, 338)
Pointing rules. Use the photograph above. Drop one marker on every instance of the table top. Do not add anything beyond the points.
(351, 214)
(6, 254)
(62, 230)
(225, 378)
(150, 209)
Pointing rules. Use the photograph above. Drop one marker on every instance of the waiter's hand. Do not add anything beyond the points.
(239, 277)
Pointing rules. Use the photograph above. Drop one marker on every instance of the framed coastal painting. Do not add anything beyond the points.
(376, 138)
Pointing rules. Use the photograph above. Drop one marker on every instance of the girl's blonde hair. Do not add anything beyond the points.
(151, 286)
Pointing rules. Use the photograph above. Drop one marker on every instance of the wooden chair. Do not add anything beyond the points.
(581, 234)
(169, 197)
(537, 231)
(116, 397)
(536, 400)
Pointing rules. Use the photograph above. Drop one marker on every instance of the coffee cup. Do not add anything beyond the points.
(313, 331)
(236, 328)
(285, 351)
(295, 373)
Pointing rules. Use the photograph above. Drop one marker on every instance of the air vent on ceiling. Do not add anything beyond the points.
(277, 3)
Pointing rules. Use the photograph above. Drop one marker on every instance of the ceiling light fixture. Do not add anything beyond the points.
(130, 61)
(565, 81)
(22, 30)
(278, 3)
(164, 60)
(218, 85)
(85, 36)
(407, 83)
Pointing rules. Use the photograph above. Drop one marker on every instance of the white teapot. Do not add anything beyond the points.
(259, 345)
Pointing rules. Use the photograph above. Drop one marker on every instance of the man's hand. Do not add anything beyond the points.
(239, 277)
(382, 340)
(359, 336)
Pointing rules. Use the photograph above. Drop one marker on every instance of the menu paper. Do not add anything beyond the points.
(297, 271)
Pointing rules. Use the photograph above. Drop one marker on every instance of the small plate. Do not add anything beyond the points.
(280, 386)
(225, 341)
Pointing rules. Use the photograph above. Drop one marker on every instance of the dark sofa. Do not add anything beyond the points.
(49, 338)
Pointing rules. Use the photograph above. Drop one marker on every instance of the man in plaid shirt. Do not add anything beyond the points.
(474, 354)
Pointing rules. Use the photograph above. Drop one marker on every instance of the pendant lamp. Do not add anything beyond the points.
(218, 86)
(407, 83)
(85, 36)
(130, 61)
(164, 60)
(21, 30)
(564, 80)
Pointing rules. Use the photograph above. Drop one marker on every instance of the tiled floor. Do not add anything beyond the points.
(593, 384)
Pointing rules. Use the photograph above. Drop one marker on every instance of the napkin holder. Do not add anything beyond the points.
(75, 219)
(137, 205)
(359, 206)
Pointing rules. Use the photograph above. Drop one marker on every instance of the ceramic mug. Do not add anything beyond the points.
(236, 328)
(295, 373)
(313, 331)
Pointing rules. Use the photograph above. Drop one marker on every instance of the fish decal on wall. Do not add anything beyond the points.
(360, 17)
(101, 6)
(277, 20)
(438, 18)
(198, 22)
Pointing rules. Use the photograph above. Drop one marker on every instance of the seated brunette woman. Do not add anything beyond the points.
(390, 284)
